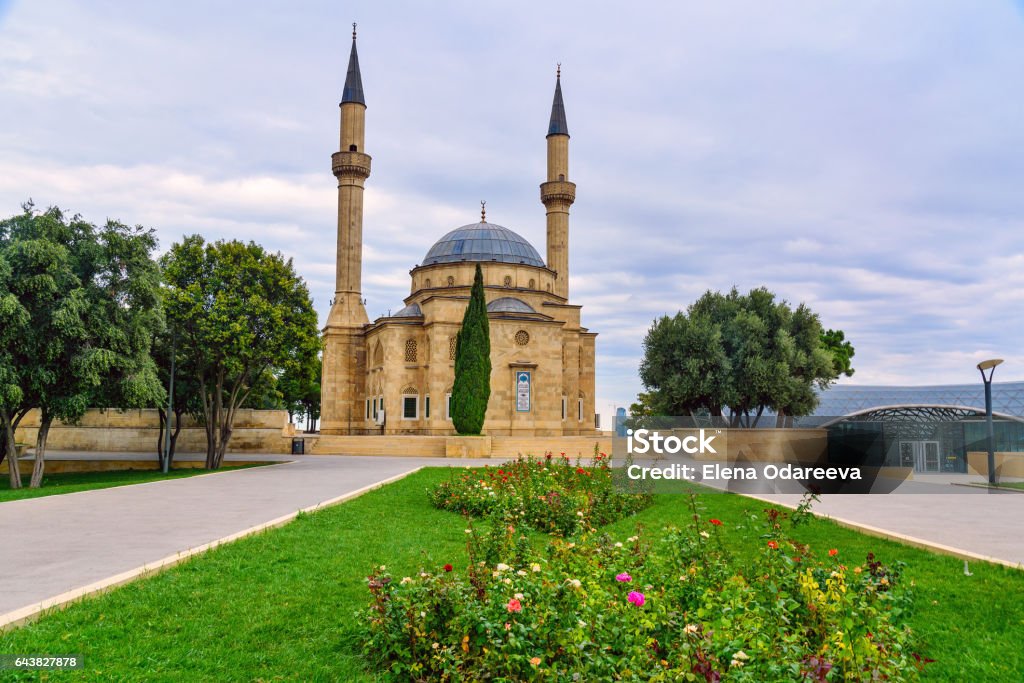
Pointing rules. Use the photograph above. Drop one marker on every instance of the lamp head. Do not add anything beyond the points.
(988, 364)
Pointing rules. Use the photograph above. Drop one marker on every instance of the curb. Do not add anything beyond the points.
(994, 489)
(24, 615)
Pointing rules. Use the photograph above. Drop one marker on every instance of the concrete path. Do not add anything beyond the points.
(56, 544)
(982, 523)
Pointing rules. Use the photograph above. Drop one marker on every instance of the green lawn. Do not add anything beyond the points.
(281, 605)
(1012, 485)
(55, 484)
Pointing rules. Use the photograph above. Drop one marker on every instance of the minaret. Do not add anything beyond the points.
(558, 194)
(344, 360)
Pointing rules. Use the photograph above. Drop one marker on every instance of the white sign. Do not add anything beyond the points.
(523, 391)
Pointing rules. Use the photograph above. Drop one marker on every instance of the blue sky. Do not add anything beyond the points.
(864, 158)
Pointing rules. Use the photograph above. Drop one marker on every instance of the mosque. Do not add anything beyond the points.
(394, 375)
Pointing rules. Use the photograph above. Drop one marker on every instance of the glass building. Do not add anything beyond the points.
(927, 428)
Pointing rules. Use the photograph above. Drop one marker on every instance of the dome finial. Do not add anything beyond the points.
(353, 30)
(483, 210)
(558, 71)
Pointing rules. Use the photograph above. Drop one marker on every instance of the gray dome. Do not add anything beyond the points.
(482, 242)
(509, 304)
(410, 311)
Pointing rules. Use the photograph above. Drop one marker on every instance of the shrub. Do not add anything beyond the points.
(661, 607)
(554, 495)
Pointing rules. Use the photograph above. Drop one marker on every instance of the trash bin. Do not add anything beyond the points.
(298, 446)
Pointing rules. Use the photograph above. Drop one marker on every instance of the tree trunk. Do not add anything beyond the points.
(174, 437)
(160, 438)
(760, 412)
(10, 450)
(39, 465)
(780, 419)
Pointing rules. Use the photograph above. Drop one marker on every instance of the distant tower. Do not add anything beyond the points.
(558, 194)
(344, 357)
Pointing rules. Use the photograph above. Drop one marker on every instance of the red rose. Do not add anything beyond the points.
(716, 522)
(773, 545)
(448, 567)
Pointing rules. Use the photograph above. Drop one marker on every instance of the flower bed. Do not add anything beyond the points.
(670, 606)
(552, 494)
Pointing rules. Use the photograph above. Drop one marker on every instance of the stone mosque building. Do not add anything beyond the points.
(394, 375)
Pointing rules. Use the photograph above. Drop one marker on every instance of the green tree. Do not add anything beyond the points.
(14, 320)
(91, 299)
(239, 313)
(472, 387)
(744, 352)
(300, 391)
(842, 352)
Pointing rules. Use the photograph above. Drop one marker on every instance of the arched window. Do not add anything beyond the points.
(410, 403)
(508, 280)
(426, 283)
(533, 283)
(378, 355)
(451, 281)
(580, 407)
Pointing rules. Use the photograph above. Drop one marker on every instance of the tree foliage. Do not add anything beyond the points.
(299, 387)
(472, 387)
(89, 301)
(736, 355)
(842, 352)
(239, 313)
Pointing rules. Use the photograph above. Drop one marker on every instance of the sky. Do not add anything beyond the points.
(863, 158)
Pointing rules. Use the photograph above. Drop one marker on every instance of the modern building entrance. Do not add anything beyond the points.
(923, 456)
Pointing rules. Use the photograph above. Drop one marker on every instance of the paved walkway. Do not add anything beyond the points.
(55, 544)
(978, 521)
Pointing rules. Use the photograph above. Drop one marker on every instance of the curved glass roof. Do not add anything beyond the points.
(1007, 397)
(509, 304)
(482, 242)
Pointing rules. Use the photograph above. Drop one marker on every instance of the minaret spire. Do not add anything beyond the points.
(353, 91)
(558, 193)
(557, 125)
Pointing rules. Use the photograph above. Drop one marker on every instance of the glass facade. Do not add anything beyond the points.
(1007, 397)
(929, 428)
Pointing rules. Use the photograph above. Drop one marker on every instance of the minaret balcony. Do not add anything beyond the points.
(350, 164)
(558, 191)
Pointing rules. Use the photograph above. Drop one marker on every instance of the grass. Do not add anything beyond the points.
(56, 484)
(1011, 485)
(281, 606)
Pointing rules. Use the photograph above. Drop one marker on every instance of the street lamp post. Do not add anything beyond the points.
(989, 365)
(165, 464)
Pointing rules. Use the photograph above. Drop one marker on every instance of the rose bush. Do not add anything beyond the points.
(550, 494)
(669, 606)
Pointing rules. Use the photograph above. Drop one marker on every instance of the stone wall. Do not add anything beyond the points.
(1007, 464)
(502, 447)
(136, 431)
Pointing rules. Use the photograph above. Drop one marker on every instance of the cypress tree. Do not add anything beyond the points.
(472, 385)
